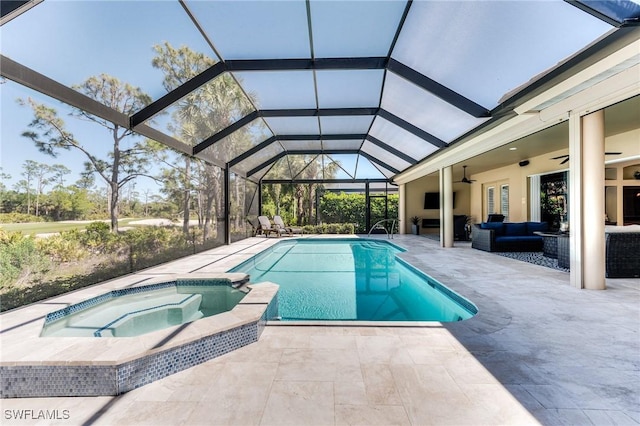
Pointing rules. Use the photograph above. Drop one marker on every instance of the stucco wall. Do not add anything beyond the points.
(469, 197)
(414, 202)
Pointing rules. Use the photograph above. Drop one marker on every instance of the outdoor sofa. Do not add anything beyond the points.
(622, 253)
(508, 236)
(622, 248)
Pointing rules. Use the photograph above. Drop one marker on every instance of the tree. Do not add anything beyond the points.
(123, 163)
(305, 194)
(59, 171)
(197, 116)
(87, 178)
(30, 168)
(68, 203)
(41, 172)
(3, 188)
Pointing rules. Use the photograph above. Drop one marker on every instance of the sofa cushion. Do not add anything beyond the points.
(515, 229)
(496, 226)
(516, 238)
(537, 227)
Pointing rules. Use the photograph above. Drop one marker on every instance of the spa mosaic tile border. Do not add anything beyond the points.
(133, 374)
(85, 304)
(57, 380)
(60, 380)
(38, 380)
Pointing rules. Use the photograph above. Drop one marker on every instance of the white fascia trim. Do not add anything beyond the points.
(616, 88)
(516, 128)
(629, 54)
(19, 11)
(622, 160)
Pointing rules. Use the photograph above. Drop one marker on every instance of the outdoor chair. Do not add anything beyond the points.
(254, 228)
(288, 229)
(265, 228)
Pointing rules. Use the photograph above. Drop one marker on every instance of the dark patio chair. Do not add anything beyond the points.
(495, 218)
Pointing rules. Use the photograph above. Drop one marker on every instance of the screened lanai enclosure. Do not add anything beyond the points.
(223, 110)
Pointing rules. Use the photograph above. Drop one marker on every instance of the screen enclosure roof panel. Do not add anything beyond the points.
(264, 84)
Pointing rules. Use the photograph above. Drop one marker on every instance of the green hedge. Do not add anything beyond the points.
(351, 208)
(19, 218)
(330, 228)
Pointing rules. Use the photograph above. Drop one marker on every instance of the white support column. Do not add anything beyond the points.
(593, 238)
(586, 200)
(402, 209)
(575, 200)
(446, 206)
(534, 198)
(619, 202)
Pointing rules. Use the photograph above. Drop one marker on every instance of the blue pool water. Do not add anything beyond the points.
(352, 279)
(139, 310)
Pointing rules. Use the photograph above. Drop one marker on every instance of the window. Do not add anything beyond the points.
(504, 201)
(491, 205)
(496, 199)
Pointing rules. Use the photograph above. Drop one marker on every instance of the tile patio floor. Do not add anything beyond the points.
(538, 352)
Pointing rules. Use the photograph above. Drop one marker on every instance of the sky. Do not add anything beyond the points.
(54, 34)
(60, 39)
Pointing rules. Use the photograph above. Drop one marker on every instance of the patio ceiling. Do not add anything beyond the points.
(369, 87)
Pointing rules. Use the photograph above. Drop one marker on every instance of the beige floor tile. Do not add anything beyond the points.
(158, 391)
(371, 415)
(428, 394)
(435, 339)
(382, 350)
(431, 356)
(465, 369)
(417, 382)
(350, 393)
(207, 413)
(348, 373)
(255, 351)
(335, 356)
(300, 403)
(380, 385)
(151, 413)
(498, 404)
(246, 381)
(285, 341)
(332, 342)
(307, 371)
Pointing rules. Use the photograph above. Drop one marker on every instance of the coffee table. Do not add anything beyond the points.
(550, 242)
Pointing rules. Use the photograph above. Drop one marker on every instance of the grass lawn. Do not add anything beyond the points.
(48, 227)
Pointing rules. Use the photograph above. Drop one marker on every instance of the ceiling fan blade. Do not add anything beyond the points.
(560, 156)
(612, 153)
(565, 160)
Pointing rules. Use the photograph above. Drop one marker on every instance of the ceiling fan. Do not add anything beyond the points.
(464, 176)
(566, 156)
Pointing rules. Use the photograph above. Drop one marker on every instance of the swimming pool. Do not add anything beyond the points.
(352, 279)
